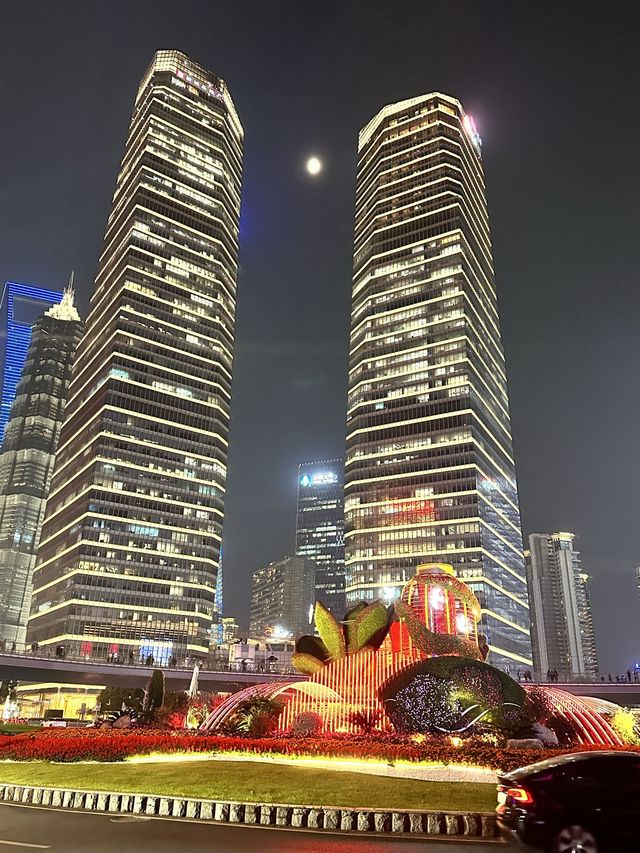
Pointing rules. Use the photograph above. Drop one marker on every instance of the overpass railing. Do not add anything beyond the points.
(207, 663)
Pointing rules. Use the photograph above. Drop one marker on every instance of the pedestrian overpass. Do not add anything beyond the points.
(26, 668)
(33, 669)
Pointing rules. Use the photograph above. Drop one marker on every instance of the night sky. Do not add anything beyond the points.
(553, 87)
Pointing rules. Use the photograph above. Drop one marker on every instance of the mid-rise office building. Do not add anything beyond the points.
(282, 599)
(22, 305)
(320, 528)
(430, 474)
(561, 623)
(230, 629)
(27, 457)
(131, 541)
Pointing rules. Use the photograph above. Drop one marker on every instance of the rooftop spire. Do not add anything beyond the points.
(66, 309)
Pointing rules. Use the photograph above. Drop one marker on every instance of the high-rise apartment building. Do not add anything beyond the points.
(561, 623)
(587, 631)
(430, 475)
(22, 305)
(320, 528)
(131, 541)
(27, 457)
(282, 599)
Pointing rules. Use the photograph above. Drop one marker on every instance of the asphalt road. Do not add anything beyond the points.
(24, 828)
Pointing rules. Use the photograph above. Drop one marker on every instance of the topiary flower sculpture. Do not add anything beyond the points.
(432, 643)
(364, 627)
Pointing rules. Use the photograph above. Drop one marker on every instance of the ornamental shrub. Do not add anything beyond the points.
(253, 718)
(112, 699)
(307, 724)
(366, 720)
(623, 722)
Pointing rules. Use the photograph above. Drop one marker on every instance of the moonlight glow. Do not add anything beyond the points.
(314, 166)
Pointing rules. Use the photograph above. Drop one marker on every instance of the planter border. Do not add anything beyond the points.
(479, 825)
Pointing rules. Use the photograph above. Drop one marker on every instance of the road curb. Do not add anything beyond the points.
(371, 821)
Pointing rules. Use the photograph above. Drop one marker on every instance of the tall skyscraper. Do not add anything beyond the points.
(21, 306)
(320, 528)
(282, 598)
(587, 631)
(27, 457)
(561, 622)
(131, 541)
(430, 475)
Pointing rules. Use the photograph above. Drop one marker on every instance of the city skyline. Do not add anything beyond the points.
(534, 99)
(130, 546)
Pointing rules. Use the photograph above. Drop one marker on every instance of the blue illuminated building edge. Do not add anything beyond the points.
(17, 337)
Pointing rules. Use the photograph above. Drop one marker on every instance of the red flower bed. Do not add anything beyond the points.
(96, 745)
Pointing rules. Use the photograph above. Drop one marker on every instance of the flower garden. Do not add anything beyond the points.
(73, 745)
(402, 685)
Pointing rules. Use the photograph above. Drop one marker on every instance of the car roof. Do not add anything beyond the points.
(570, 758)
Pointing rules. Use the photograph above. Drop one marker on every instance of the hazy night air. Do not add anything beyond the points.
(305, 77)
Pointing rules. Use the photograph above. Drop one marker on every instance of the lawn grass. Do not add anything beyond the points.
(17, 728)
(247, 781)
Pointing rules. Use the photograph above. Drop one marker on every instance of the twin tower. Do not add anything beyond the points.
(130, 546)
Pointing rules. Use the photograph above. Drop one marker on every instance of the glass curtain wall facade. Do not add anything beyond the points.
(131, 541)
(22, 305)
(282, 599)
(320, 528)
(28, 455)
(430, 474)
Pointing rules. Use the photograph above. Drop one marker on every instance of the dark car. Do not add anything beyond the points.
(585, 802)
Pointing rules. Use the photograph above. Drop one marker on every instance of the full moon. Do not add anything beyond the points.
(314, 166)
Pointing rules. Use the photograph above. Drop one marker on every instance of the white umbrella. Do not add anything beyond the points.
(192, 692)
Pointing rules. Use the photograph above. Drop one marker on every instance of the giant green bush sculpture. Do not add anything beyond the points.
(435, 644)
(364, 627)
(451, 694)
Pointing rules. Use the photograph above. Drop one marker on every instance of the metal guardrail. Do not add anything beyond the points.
(205, 664)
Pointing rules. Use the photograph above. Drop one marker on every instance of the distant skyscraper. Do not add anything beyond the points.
(282, 598)
(430, 475)
(587, 632)
(22, 304)
(561, 622)
(27, 457)
(131, 540)
(320, 528)
(230, 629)
(218, 610)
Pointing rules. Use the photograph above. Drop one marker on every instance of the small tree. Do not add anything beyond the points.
(153, 694)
